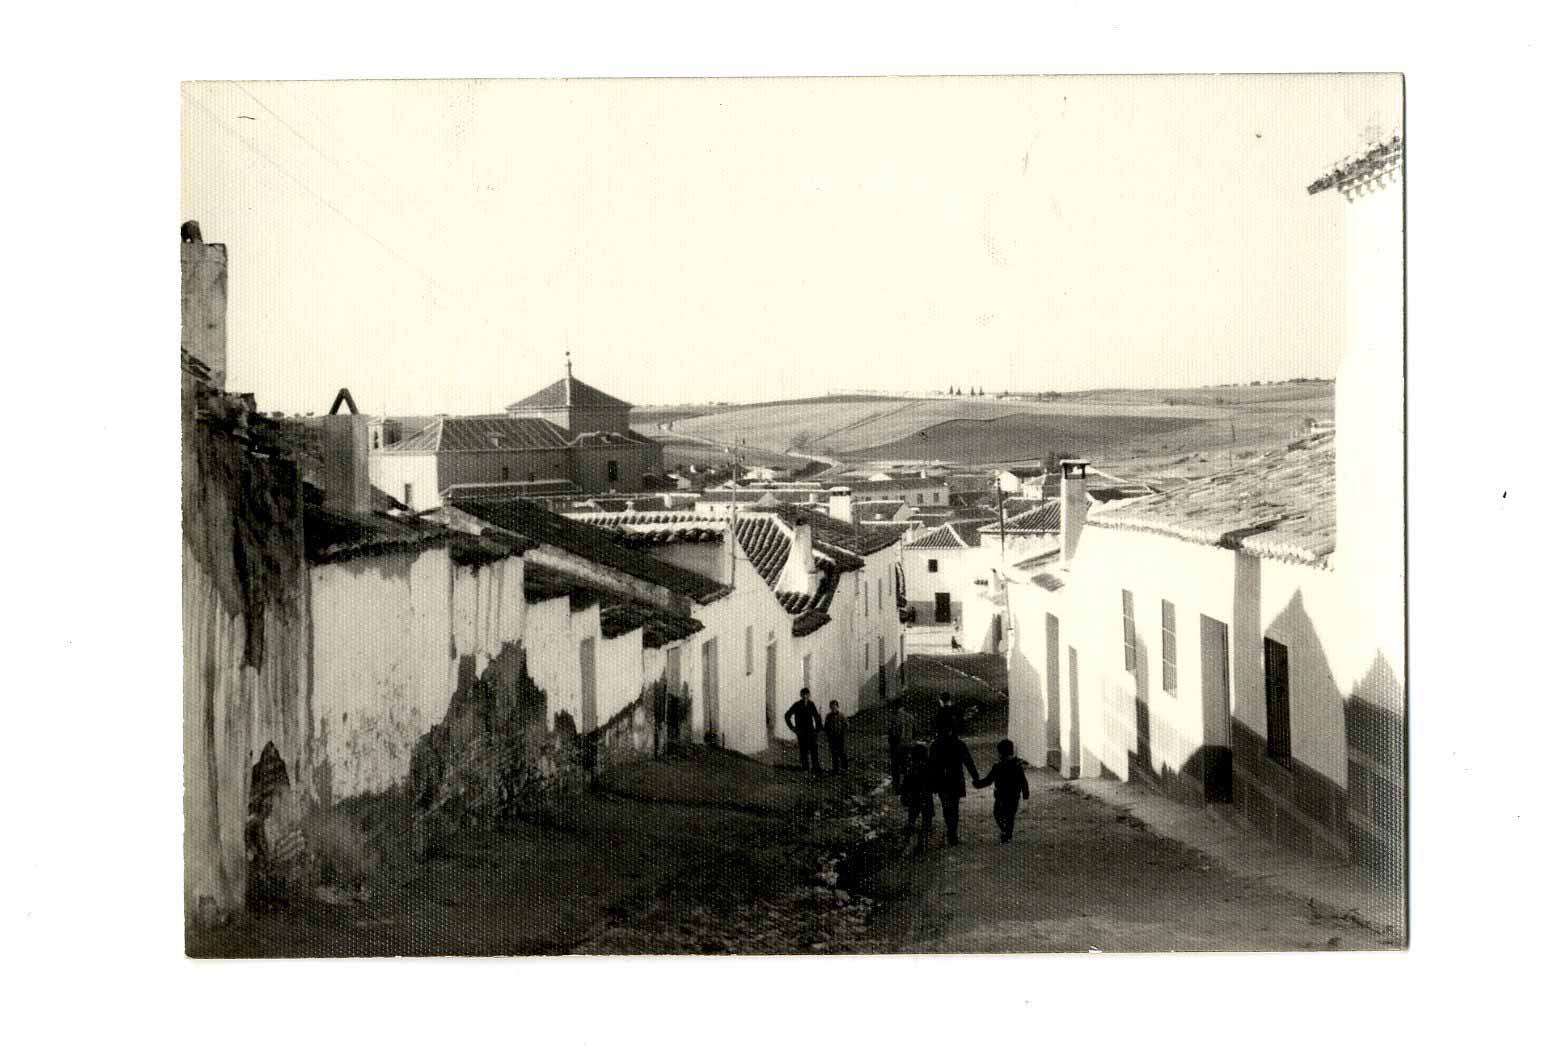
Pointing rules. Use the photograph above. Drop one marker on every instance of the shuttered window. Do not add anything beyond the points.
(750, 650)
(1170, 650)
(1129, 628)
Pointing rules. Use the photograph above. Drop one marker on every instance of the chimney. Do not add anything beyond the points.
(839, 505)
(203, 301)
(1074, 505)
(799, 572)
(346, 458)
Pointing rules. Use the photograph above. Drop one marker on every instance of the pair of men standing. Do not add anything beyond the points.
(803, 717)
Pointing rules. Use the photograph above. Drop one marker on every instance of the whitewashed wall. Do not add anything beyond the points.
(382, 667)
(391, 471)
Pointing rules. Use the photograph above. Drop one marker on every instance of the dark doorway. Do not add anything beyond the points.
(943, 611)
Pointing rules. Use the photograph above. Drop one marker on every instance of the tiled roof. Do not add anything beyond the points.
(959, 533)
(335, 536)
(597, 545)
(766, 539)
(942, 537)
(595, 439)
(1279, 506)
(1044, 516)
(569, 392)
(970, 529)
(618, 614)
(486, 434)
(1358, 170)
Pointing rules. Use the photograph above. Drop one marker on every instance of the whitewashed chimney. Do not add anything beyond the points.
(840, 503)
(799, 572)
(1074, 506)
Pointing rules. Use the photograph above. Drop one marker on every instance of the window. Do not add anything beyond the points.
(407, 493)
(805, 671)
(1278, 704)
(935, 499)
(919, 499)
(865, 599)
(865, 656)
(1129, 628)
(611, 470)
(750, 650)
(375, 439)
(932, 566)
(1170, 650)
(506, 473)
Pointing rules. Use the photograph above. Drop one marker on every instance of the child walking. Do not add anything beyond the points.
(1009, 784)
(917, 796)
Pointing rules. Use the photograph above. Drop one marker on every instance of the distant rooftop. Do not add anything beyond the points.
(569, 392)
(1359, 170)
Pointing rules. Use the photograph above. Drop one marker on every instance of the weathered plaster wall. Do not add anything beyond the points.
(245, 638)
(383, 665)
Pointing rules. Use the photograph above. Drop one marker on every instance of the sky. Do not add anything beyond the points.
(437, 246)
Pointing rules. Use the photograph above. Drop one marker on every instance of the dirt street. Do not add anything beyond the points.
(714, 852)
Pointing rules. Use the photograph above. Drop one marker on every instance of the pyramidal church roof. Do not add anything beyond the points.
(569, 392)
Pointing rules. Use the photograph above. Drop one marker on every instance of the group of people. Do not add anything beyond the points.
(804, 718)
(921, 771)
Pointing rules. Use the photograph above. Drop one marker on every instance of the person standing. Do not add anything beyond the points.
(836, 736)
(803, 719)
(949, 759)
(903, 732)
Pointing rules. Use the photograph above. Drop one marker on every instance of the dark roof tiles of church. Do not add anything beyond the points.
(569, 392)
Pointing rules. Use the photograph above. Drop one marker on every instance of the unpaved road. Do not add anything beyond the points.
(717, 853)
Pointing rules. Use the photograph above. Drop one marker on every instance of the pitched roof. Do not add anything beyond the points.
(487, 433)
(1278, 506)
(337, 536)
(618, 614)
(957, 533)
(942, 537)
(1043, 516)
(574, 536)
(766, 539)
(569, 392)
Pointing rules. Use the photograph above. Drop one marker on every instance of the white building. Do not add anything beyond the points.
(1240, 638)
(833, 586)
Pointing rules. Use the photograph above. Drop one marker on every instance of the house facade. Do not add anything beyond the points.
(1239, 639)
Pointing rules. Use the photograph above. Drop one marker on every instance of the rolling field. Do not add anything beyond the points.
(1138, 432)
(1025, 437)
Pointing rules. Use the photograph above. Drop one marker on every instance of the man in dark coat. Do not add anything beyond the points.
(803, 719)
(949, 759)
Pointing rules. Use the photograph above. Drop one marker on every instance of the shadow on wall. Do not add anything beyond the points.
(1376, 794)
(1297, 805)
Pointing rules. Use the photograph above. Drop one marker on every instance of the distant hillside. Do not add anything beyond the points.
(1143, 430)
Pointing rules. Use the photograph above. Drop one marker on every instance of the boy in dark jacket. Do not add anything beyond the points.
(1009, 784)
(836, 736)
(917, 795)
